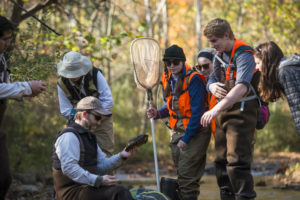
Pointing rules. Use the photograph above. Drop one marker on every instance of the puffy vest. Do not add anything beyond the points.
(74, 93)
(88, 147)
(184, 105)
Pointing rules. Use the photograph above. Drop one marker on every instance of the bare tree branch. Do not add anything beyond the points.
(37, 7)
(148, 19)
(18, 15)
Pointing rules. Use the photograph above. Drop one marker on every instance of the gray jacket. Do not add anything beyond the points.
(289, 76)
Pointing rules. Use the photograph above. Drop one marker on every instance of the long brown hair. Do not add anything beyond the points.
(178, 85)
(269, 86)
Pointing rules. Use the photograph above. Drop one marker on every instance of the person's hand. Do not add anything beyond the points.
(181, 144)
(109, 180)
(126, 154)
(208, 116)
(37, 87)
(218, 90)
(151, 112)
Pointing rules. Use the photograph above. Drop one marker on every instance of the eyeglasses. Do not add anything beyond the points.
(205, 66)
(169, 62)
(97, 117)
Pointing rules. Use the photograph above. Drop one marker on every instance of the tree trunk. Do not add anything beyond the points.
(148, 18)
(240, 19)
(198, 24)
(17, 13)
(110, 13)
(165, 23)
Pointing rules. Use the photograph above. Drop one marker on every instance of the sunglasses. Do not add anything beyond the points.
(205, 66)
(97, 117)
(169, 62)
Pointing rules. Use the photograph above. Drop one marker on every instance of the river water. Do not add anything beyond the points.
(209, 189)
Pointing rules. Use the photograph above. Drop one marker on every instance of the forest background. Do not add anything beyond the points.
(103, 30)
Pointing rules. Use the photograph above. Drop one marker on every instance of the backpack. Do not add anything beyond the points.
(263, 114)
(147, 194)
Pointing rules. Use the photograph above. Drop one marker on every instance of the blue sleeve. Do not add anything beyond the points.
(197, 99)
(162, 112)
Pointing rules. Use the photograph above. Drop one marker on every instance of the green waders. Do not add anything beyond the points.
(190, 161)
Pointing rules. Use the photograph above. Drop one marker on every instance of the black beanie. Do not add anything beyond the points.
(174, 52)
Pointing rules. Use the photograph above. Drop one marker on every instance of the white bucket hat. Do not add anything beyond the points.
(74, 65)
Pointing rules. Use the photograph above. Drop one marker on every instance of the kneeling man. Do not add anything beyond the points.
(77, 160)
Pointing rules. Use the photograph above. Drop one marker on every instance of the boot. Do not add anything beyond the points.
(190, 198)
(227, 195)
(169, 187)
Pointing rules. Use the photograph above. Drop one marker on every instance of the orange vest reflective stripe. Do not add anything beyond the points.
(230, 71)
(183, 101)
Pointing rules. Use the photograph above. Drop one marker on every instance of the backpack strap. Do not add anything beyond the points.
(189, 72)
(223, 64)
(249, 98)
(240, 50)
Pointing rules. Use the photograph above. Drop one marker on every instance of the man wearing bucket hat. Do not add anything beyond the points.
(78, 79)
(77, 159)
(10, 90)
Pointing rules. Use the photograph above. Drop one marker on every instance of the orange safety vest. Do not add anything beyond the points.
(183, 101)
(212, 101)
(238, 45)
(230, 74)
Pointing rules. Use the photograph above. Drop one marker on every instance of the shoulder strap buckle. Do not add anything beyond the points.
(223, 64)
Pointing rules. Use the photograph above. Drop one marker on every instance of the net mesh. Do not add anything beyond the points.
(145, 56)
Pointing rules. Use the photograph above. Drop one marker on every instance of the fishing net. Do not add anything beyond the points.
(145, 57)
